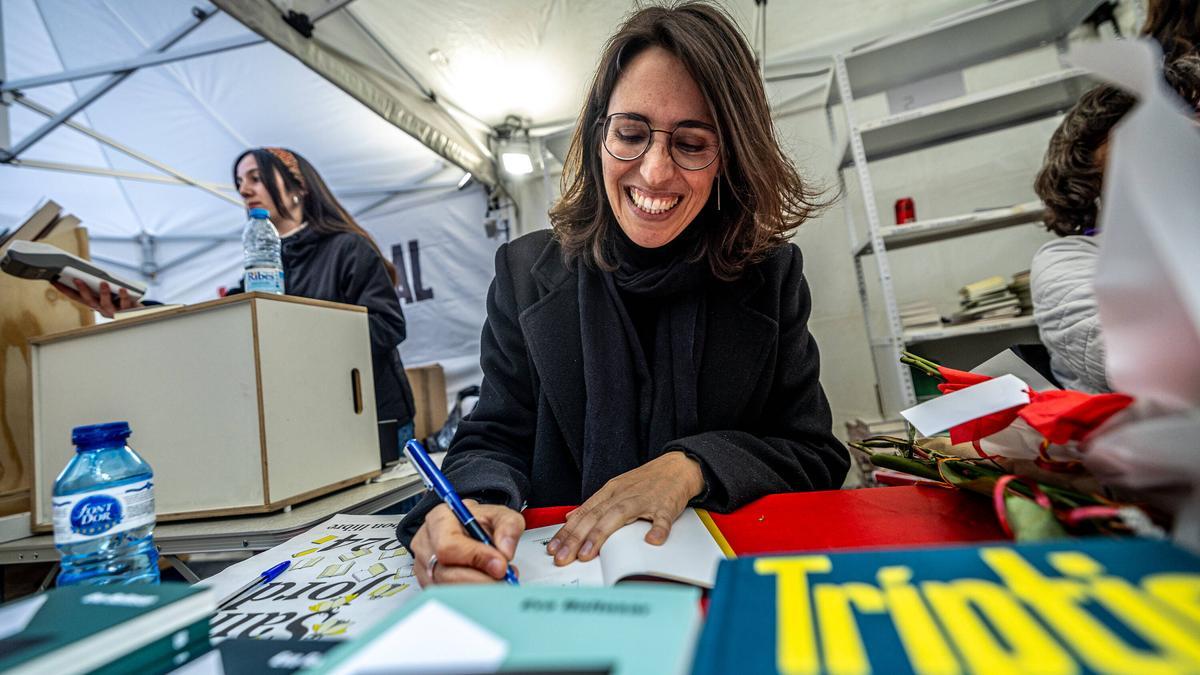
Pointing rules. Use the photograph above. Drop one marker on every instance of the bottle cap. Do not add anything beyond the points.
(259, 213)
(96, 434)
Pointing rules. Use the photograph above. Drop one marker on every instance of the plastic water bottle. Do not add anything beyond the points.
(104, 511)
(264, 264)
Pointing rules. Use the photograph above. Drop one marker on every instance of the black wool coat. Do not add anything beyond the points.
(765, 423)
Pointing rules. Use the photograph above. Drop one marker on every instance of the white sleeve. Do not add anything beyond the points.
(1065, 309)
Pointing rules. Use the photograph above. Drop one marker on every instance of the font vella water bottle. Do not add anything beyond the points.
(263, 262)
(104, 511)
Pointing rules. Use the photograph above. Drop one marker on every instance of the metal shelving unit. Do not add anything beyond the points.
(962, 40)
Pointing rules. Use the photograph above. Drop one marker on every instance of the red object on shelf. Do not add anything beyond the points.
(906, 211)
(844, 519)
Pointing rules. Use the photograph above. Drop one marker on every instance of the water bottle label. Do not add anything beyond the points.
(265, 280)
(104, 512)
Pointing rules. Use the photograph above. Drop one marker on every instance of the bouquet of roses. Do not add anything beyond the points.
(1026, 458)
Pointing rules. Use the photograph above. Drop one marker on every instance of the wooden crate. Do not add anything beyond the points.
(241, 405)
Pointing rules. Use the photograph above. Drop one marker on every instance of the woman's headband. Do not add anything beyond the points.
(293, 166)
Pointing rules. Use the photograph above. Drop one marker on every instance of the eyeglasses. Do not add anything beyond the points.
(692, 145)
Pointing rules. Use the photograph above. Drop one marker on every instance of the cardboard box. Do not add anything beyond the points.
(429, 395)
(29, 309)
(240, 405)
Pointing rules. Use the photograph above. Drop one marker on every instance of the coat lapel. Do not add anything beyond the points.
(738, 339)
(551, 327)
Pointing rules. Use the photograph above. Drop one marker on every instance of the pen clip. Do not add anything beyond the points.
(411, 448)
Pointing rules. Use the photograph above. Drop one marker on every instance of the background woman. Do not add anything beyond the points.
(326, 256)
(652, 351)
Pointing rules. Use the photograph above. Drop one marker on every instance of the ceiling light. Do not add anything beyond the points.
(517, 163)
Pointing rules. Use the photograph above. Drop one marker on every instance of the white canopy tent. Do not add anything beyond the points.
(392, 100)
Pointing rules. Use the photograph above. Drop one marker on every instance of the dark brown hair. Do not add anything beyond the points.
(764, 196)
(1175, 24)
(1070, 180)
(324, 213)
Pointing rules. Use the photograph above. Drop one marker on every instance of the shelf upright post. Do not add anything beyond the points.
(852, 228)
(895, 332)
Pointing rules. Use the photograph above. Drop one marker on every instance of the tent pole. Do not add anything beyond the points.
(5, 132)
(115, 173)
(25, 101)
(130, 65)
(199, 16)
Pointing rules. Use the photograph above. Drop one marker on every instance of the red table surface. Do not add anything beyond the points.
(843, 519)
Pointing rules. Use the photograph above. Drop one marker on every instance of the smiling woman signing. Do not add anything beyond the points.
(651, 351)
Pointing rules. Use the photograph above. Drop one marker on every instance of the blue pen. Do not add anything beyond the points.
(435, 480)
(264, 578)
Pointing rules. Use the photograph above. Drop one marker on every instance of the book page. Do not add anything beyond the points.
(689, 555)
(536, 567)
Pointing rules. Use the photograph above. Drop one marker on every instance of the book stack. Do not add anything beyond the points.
(986, 299)
(919, 315)
(139, 628)
(1020, 288)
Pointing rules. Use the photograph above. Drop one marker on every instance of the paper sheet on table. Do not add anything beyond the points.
(964, 405)
(433, 639)
(345, 574)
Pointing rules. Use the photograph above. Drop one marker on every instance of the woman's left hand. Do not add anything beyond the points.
(657, 491)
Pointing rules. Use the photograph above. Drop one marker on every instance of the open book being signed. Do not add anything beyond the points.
(690, 556)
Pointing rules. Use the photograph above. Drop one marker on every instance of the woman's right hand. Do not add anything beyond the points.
(461, 559)
(103, 304)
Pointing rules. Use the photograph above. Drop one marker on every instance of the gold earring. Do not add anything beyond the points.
(295, 199)
(718, 193)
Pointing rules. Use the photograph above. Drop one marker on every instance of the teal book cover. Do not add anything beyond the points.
(634, 629)
(81, 628)
(1072, 606)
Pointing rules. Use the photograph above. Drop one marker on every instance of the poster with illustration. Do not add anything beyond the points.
(344, 575)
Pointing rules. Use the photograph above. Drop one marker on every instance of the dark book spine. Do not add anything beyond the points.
(164, 654)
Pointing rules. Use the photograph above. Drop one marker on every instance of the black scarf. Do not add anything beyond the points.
(636, 405)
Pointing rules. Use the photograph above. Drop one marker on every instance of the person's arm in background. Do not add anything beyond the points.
(102, 303)
(1066, 311)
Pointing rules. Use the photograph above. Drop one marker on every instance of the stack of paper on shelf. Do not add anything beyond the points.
(986, 299)
(1020, 288)
(918, 315)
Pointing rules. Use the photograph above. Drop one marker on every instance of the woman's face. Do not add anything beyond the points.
(254, 192)
(653, 198)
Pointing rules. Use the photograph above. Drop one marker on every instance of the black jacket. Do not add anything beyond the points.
(344, 267)
(765, 420)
